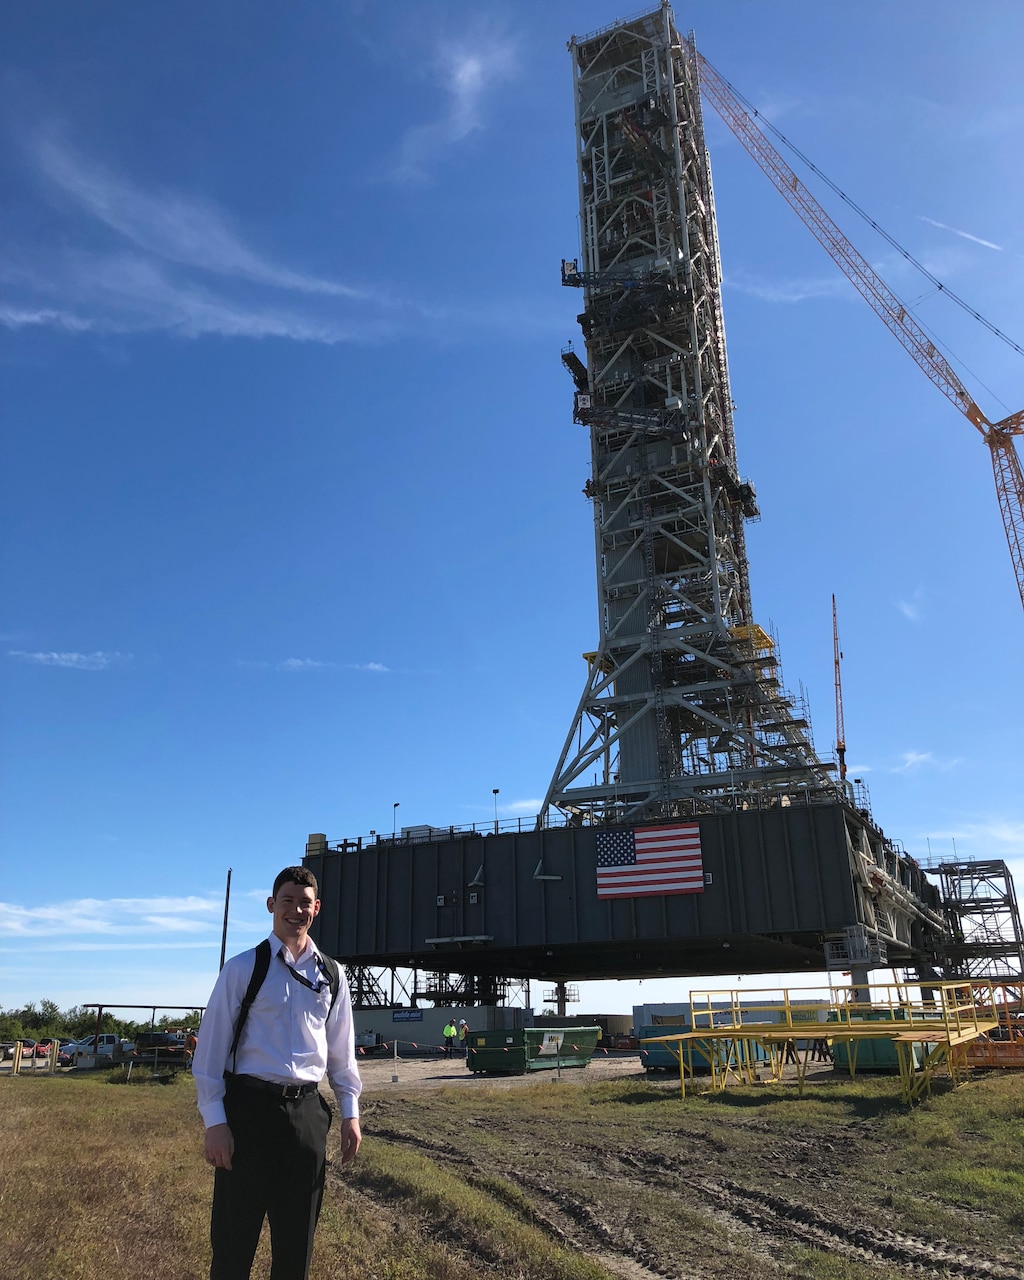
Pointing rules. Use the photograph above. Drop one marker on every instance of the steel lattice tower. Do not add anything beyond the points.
(980, 905)
(683, 708)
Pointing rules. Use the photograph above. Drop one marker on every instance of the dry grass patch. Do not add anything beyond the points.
(97, 1179)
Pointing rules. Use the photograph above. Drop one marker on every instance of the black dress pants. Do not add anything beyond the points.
(278, 1171)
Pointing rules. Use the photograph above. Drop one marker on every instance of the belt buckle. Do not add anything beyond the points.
(291, 1091)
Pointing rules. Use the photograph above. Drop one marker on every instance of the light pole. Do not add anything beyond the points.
(224, 931)
(494, 792)
(394, 818)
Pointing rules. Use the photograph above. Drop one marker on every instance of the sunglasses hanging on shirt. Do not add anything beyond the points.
(321, 984)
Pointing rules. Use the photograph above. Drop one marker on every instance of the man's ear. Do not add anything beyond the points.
(270, 905)
(316, 907)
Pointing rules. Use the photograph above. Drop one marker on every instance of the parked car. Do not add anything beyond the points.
(6, 1050)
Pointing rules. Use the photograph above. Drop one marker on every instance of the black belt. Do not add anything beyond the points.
(278, 1090)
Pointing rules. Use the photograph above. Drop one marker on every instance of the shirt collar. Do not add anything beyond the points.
(276, 945)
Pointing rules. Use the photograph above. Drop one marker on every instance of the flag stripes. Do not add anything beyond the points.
(650, 861)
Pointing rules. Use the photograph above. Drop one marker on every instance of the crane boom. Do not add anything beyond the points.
(1010, 488)
(886, 305)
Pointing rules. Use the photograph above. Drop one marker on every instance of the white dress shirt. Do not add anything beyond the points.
(288, 1037)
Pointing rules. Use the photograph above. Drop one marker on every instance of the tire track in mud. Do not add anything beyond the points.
(775, 1220)
(783, 1219)
(619, 1252)
(620, 1243)
(787, 1219)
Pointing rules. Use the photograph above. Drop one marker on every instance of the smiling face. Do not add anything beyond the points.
(294, 908)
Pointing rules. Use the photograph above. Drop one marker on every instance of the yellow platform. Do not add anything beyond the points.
(739, 1034)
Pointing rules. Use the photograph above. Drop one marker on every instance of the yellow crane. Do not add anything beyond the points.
(999, 436)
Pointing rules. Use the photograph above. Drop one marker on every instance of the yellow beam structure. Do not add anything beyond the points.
(943, 1018)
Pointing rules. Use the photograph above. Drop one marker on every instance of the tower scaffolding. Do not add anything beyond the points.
(980, 906)
(682, 710)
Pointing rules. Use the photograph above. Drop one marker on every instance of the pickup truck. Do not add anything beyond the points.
(104, 1045)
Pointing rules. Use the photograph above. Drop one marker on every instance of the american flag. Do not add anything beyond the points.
(649, 861)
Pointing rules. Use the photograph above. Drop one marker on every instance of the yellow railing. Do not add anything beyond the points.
(929, 1027)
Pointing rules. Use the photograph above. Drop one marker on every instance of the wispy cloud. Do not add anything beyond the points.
(465, 70)
(313, 664)
(1001, 837)
(127, 293)
(79, 947)
(98, 661)
(114, 256)
(514, 807)
(179, 228)
(159, 259)
(912, 761)
(988, 244)
(912, 609)
(47, 317)
(110, 917)
(317, 664)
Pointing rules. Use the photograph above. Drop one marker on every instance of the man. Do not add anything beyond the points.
(266, 1123)
(463, 1036)
(449, 1037)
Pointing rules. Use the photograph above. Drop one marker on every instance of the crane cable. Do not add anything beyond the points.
(905, 253)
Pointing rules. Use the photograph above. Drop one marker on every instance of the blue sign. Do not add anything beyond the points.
(407, 1015)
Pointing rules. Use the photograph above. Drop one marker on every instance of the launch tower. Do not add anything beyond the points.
(683, 711)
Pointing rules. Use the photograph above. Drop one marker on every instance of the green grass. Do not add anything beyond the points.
(540, 1182)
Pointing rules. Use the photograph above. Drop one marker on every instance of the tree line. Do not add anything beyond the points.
(46, 1020)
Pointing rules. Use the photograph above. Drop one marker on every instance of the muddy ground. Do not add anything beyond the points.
(745, 1183)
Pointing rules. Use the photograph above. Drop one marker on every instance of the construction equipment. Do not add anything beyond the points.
(893, 313)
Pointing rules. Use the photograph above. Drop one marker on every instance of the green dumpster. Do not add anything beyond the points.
(531, 1049)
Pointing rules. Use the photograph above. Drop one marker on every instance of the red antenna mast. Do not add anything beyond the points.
(840, 724)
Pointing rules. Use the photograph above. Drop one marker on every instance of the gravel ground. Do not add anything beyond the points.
(442, 1073)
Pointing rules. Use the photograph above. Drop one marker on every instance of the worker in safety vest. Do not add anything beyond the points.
(449, 1036)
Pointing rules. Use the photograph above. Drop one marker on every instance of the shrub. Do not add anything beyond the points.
(129, 1074)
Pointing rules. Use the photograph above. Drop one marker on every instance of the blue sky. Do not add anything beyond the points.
(291, 494)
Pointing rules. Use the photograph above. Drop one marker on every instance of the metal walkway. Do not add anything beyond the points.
(935, 1029)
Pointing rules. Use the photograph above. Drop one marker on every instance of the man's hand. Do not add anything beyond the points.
(220, 1146)
(351, 1137)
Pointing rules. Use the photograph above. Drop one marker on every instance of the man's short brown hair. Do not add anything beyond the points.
(297, 875)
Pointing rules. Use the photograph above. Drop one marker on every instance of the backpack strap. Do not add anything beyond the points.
(333, 971)
(260, 969)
